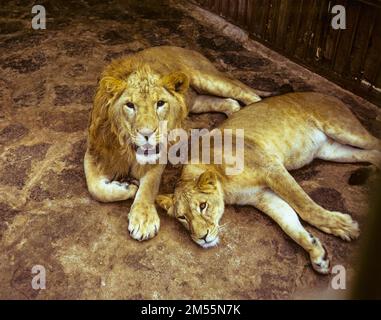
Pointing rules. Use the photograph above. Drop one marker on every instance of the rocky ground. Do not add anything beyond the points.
(47, 81)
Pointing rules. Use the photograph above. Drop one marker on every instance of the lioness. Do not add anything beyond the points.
(135, 94)
(280, 133)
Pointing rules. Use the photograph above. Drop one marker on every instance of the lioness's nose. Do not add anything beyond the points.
(146, 133)
(205, 236)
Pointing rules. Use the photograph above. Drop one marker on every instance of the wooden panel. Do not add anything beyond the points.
(373, 57)
(241, 13)
(295, 20)
(301, 30)
(362, 40)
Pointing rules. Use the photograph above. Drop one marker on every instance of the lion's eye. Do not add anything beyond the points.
(130, 105)
(160, 103)
(182, 218)
(203, 206)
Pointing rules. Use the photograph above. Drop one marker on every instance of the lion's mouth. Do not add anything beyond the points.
(147, 149)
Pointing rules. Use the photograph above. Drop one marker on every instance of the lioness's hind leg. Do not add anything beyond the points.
(102, 188)
(334, 151)
(343, 127)
(333, 222)
(281, 212)
(204, 103)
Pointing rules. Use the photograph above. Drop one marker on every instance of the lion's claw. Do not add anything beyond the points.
(143, 222)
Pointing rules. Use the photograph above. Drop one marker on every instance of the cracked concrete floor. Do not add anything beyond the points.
(47, 80)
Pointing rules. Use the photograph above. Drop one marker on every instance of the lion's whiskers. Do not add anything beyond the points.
(223, 227)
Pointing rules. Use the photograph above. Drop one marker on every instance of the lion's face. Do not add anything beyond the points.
(198, 206)
(143, 105)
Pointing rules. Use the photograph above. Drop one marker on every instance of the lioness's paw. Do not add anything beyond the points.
(231, 106)
(143, 221)
(321, 263)
(345, 227)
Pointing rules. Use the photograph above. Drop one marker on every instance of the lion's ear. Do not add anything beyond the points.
(165, 201)
(207, 182)
(176, 81)
(112, 85)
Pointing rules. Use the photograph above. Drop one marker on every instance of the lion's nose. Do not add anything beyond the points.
(146, 133)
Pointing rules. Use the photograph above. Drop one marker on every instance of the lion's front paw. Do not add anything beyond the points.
(143, 221)
(121, 190)
(109, 191)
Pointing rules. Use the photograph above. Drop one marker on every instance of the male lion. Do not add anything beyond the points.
(135, 94)
(280, 133)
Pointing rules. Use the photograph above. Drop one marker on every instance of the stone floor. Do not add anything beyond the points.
(47, 80)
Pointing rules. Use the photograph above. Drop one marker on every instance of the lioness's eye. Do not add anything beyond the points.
(203, 205)
(181, 218)
(130, 105)
(160, 103)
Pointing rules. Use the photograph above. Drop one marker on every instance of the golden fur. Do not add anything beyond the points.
(281, 133)
(126, 115)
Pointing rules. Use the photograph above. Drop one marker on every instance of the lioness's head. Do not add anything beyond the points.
(133, 106)
(198, 205)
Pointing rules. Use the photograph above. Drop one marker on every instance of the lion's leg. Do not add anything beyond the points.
(143, 220)
(281, 182)
(102, 188)
(334, 151)
(217, 84)
(281, 212)
(203, 103)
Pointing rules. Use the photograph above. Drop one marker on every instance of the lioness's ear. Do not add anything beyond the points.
(165, 201)
(207, 182)
(176, 81)
(112, 85)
